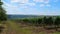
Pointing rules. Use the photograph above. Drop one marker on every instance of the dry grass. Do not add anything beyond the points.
(18, 28)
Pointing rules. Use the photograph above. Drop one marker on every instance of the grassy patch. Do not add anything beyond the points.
(41, 33)
(14, 26)
(56, 33)
(19, 30)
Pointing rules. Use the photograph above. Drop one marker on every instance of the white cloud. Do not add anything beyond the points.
(44, 1)
(23, 2)
(8, 5)
(14, 1)
(48, 5)
(31, 4)
(41, 5)
(26, 2)
(38, 0)
(19, 1)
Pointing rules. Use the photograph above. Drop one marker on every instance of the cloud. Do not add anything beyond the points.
(24, 9)
(26, 2)
(23, 2)
(8, 5)
(43, 1)
(19, 1)
(48, 5)
(41, 5)
(14, 1)
(46, 1)
(38, 0)
(31, 4)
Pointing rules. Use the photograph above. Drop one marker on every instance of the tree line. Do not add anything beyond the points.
(45, 20)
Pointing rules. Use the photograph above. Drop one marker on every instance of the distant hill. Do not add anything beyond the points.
(29, 16)
(21, 16)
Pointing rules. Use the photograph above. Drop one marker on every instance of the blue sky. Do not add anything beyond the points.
(32, 7)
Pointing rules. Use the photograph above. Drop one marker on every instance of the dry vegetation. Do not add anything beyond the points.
(30, 26)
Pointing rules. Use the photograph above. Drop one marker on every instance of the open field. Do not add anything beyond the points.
(18, 28)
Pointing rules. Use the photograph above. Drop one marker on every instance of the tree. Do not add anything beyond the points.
(48, 21)
(57, 22)
(44, 20)
(39, 21)
(3, 15)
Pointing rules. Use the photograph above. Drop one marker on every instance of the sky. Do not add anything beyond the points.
(32, 7)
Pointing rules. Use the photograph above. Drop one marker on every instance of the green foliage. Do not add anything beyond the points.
(57, 21)
(39, 21)
(1, 3)
(3, 15)
(48, 20)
